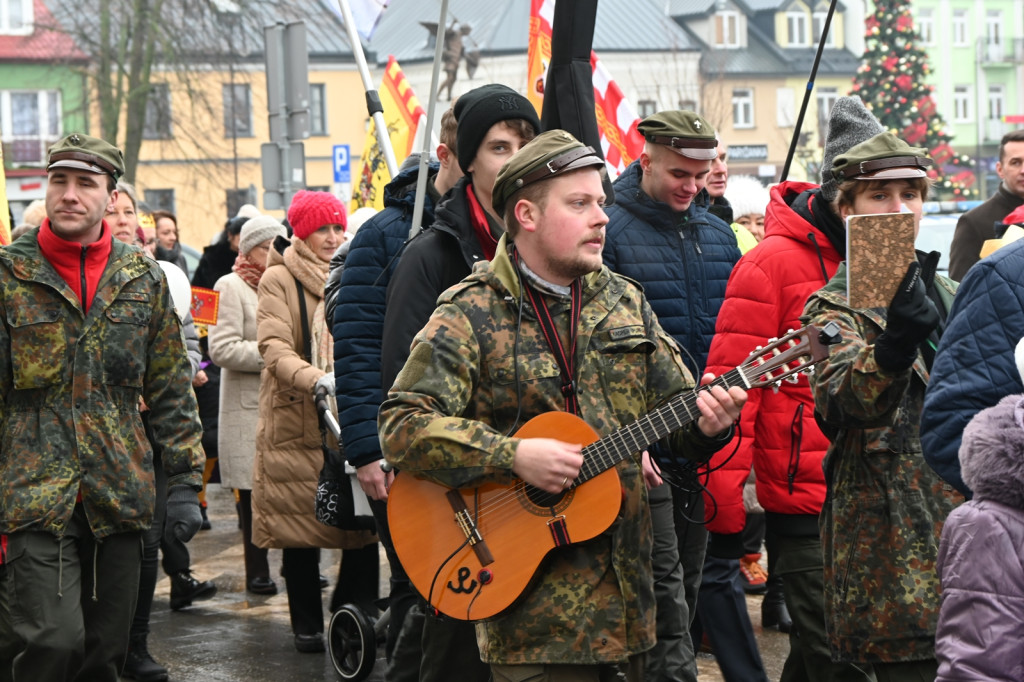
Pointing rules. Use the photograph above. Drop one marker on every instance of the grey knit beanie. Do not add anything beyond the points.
(850, 123)
(258, 230)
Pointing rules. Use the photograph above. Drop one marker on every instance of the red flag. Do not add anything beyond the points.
(205, 305)
(617, 120)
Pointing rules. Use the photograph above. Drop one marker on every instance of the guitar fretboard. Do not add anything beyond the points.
(625, 441)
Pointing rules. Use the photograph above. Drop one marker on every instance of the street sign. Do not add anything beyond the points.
(342, 163)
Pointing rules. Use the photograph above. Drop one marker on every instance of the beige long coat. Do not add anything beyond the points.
(233, 348)
(288, 451)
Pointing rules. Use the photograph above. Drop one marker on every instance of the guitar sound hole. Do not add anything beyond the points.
(542, 502)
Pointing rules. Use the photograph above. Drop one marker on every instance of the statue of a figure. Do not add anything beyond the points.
(454, 52)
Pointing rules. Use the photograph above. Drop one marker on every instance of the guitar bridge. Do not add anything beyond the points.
(465, 522)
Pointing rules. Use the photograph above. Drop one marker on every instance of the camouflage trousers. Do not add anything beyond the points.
(630, 671)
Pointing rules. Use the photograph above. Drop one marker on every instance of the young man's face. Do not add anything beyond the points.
(499, 144)
(1011, 167)
(719, 174)
(672, 179)
(76, 201)
(886, 198)
(569, 234)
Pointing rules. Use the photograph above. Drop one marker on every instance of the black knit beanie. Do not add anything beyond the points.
(479, 109)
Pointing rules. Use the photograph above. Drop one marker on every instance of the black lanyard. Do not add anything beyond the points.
(566, 362)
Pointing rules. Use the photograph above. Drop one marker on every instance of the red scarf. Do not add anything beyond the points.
(70, 258)
(250, 271)
(482, 227)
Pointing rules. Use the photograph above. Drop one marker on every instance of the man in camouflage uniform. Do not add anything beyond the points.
(882, 519)
(480, 368)
(88, 330)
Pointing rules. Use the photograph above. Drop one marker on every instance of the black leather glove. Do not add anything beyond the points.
(183, 515)
(911, 319)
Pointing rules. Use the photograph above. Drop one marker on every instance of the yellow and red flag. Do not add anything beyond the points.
(402, 114)
(617, 120)
(5, 211)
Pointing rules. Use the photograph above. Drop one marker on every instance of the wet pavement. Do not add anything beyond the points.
(237, 637)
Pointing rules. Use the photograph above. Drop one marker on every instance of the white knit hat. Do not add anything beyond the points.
(258, 230)
(746, 195)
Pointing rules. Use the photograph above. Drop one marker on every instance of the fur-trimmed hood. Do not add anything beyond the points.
(992, 453)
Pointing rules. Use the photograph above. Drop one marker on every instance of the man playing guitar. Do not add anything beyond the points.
(543, 328)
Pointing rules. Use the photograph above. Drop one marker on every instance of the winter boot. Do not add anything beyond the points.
(139, 665)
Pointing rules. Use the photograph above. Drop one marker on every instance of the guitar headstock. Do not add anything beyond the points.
(784, 357)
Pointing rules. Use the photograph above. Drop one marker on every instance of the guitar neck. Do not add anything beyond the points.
(606, 452)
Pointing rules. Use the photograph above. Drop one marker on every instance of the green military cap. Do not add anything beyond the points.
(545, 156)
(86, 153)
(684, 132)
(882, 157)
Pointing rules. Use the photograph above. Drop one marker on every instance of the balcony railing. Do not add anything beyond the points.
(1010, 51)
(23, 150)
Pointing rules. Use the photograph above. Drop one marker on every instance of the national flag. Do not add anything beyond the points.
(365, 14)
(5, 211)
(621, 142)
(402, 115)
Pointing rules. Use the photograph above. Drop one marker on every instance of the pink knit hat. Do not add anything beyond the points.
(312, 210)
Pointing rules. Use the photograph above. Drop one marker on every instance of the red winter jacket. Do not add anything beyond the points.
(764, 299)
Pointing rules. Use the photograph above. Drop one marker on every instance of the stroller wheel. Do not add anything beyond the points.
(351, 643)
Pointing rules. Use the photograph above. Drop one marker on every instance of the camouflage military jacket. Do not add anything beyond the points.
(882, 519)
(70, 385)
(456, 399)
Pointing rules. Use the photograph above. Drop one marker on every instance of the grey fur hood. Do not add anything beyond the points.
(992, 453)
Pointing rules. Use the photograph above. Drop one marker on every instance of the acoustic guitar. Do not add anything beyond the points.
(472, 552)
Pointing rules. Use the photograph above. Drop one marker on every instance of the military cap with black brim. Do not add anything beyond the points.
(684, 132)
(882, 157)
(86, 153)
(548, 155)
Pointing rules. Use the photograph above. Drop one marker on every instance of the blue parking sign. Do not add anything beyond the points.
(342, 166)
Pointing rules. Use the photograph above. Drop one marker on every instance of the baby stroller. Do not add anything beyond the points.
(352, 635)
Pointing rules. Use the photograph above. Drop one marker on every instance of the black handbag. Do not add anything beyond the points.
(340, 501)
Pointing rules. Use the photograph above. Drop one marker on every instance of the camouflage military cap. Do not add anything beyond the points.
(549, 154)
(882, 157)
(86, 153)
(684, 132)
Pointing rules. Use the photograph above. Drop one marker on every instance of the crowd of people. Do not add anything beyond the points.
(866, 499)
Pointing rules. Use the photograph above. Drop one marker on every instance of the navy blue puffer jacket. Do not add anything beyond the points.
(682, 260)
(358, 321)
(974, 367)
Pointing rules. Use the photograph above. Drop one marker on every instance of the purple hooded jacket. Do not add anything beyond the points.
(981, 560)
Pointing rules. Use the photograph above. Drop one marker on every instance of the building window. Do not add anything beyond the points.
(317, 109)
(962, 104)
(647, 107)
(959, 28)
(996, 102)
(160, 200)
(926, 26)
(742, 108)
(236, 198)
(687, 105)
(826, 98)
(158, 113)
(237, 110)
(727, 29)
(16, 17)
(30, 121)
(994, 35)
(796, 24)
(818, 24)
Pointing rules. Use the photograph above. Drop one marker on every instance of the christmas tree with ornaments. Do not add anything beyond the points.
(891, 81)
